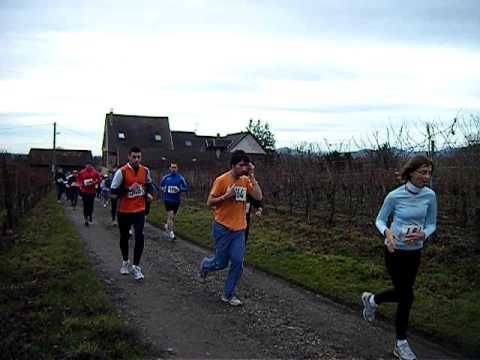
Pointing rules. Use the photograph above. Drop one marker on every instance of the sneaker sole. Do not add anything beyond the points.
(364, 301)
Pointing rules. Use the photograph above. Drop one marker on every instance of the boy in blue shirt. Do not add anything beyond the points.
(172, 185)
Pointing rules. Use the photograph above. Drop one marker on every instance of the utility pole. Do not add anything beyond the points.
(54, 160)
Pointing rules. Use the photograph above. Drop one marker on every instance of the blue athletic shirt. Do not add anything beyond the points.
(172, 185)
(411, 212)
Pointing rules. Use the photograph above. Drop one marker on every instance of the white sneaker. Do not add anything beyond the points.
(172, 235)
(234, 301)
(137, 272)
(368, 309)
(403, 351)
(124, 270)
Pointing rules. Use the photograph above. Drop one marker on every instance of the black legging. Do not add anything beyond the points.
(73, 195)
(60, 191)
(402, 265)
(125, 222)
(88, 200)
(113, 204)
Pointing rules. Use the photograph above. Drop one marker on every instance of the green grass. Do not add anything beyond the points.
(51, 303)
(342, 262)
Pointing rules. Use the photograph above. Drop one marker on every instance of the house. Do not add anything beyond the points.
(150, 133)
(160, 145)
(66, 159)
(189, 142)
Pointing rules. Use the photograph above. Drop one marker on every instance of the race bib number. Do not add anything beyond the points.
(240, 193)
(172, 189)
(138, 191)
(410, 229)
(88, 182)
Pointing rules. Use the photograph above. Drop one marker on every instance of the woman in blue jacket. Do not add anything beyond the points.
(413, 206)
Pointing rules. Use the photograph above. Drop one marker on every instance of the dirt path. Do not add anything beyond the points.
(186, 319)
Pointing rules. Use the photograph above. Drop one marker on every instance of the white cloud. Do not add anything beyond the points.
(215, 79)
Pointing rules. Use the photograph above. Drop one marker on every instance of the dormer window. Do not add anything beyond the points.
(158, 137)
(122, 135)
(188, 143)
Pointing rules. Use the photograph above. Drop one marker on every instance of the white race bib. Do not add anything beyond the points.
(138, 191)
(240, 193)
(411, 228)
(88, 182)
(172, 189)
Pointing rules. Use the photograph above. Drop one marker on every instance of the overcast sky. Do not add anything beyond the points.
(313, 70)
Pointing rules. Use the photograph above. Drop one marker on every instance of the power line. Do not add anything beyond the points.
(25, 126)
(78, 133)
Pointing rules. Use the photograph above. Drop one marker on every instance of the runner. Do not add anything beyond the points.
(228, 196)
(113, 199)
(60, 183)
(88, 179)
(105, 190)
(172, 185)
(131, 182)
(73, 188)
(414, 209)
(252, 204)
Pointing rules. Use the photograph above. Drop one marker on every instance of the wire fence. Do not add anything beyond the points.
(337, 189)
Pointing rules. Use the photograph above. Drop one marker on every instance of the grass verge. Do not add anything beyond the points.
(341, 263)
(51, 304)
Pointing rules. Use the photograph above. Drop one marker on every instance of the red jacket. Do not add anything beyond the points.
(88, 180)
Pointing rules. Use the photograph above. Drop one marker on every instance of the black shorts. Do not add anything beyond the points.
(172, 206)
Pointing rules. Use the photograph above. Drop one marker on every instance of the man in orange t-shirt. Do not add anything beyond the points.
(228, 196)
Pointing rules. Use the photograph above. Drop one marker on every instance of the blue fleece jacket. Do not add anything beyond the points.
(411, 212)
(172, 185)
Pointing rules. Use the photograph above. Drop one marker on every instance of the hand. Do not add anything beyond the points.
(149, 197)
(413, 237)
(251, 170)
(259, 212)
(134, 186)
(390, 240)
(229, 193)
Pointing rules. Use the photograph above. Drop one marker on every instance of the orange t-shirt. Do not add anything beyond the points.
(231, 212)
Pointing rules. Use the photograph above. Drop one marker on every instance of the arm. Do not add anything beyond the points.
(381, 221)
(218, 195)
(256, 191)
(117, 184)
(256, 203)
(183, 184)
(383, 214)
(149, 189)
(431, 218)
(162, 183)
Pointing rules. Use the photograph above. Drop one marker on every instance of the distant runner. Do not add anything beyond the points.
(88, 179)
(172, 185)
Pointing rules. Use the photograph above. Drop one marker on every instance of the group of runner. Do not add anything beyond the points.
(406, 220)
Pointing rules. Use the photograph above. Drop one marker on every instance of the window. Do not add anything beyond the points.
(158, 137)
(188, 143)
(121, 135)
